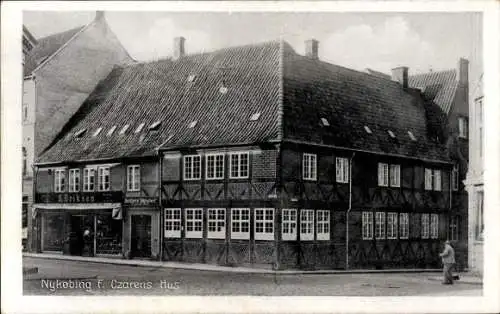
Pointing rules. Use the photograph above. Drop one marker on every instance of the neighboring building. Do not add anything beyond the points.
(60, 71)
(251, 155)
(475, 179)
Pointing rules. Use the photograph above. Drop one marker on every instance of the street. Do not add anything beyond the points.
(62, 277)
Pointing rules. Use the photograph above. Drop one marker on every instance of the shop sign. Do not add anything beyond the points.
(94, 197)
(141, 201)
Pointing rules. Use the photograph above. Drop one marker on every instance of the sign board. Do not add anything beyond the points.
(141, 201)
(80, 197)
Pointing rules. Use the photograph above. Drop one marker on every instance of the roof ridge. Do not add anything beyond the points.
(60, 33)
(433, 72)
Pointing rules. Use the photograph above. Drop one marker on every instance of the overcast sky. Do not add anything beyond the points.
(381, 41)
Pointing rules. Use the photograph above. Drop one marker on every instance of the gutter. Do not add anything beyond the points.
(347, 214)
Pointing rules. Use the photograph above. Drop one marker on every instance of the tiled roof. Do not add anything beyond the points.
(437, 86)
(46, 47)
(291, 92)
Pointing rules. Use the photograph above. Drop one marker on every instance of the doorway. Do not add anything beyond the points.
(141, 236)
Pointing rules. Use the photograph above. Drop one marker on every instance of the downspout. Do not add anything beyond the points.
(347, 214)
(33, 231)
(162, 218)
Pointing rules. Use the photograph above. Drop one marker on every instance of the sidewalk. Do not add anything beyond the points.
(210, 267)
(456, 293)
(464, 278)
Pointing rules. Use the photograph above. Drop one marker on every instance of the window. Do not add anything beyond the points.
(391, 134)
(25, 161)
(454, 228)
(379, 225)
(215, 166)
(480, 119)
(139, 128)
(194, 223)
(367, 220)
(240, 223)
(74, 180)
(437, 180)
(309, 167)
(60, 180)
(428, 179)
(192, 167)
(392, 225)
(103, 178)
(172, 222)
(434, 226)
(342, 170)
(479, 221)
(155, 125)
(462, 127)
(367, 129)
(133, 178)
(238, 163)
(192, 124)
(255, 116)
(264, 224)
(289, 225)
(88, 179)
(383, 174)
(111, 131)
(425, 226)
(323, 224)
(412, 137)
(216, 223)
(325, 122)
(25, 112)
(307, 225)
(404, 226)
(124, 129)
(24, 212)
(395, 175)
(454, 178)
(97, 132)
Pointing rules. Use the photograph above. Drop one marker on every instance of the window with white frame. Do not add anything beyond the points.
(395, 176)
(367, 222)
(404, 226)
(172, 222)
(434, 226)
(194, 222)
(289, 224)
(309, 166)
(479, 219)
(103, 179)
(341, 170)
(238, 164)
(88, 179)
(60, 180)
(133, 178)
(428, 179)
(264, 223)
(392, 225)
(462, 127)
(425, 226)
(323, 225)
(454, 228)
(383, 174)
(214, 166)
(437, 180)
(379, 225)
(306, 225)
(240, 223)
(74, 180)
(192, 167)
(454, 178)
(216, 223)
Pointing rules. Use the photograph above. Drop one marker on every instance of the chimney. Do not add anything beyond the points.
(463, 71)
(179, 47)
(99, 15)
(400, 75)
(312, 48)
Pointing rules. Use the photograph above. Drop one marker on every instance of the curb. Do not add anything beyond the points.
(216, 268)
(461, 280)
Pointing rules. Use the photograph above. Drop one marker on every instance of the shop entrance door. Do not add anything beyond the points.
(141, 236)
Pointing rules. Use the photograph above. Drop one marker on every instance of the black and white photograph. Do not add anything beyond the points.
(257, 153)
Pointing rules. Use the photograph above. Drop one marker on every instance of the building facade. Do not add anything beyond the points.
(252, 155)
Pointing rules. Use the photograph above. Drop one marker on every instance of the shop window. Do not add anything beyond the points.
(379, 225)
(383, 174)
(434, 226)
(479, 221)
(194, 223)
(367, 222)
(52, 232)
(192, 167)
(264, 224)
(216, 223)
(60, 180)
(437, 180)
(289, 225)
(454, 178)
(240, 223)
(214, 166)
(428, 179)
(307, 225)
(341, 170)
(103, 178)
(454, 228)
(404, 226)
(172, 222)
(424, 226)
(309, 167)
(133, 178)
(392, 225)
(109, 235)
(88, 179)
(323, 225)
(395, 176)
(238, 163)
(74, 180)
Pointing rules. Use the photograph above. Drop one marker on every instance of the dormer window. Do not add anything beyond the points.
(325, 122)
(97, 132)
(110, 132)
(139, 128)
(80, 133)
(391, 134)
(124, 129)
(367, 129)
(192, 124)
(155, 125)
(255, 116)
(410, 134)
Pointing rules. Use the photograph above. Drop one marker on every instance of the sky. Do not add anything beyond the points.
(380, 41)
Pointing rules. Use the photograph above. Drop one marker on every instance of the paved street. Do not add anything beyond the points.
(60, 277)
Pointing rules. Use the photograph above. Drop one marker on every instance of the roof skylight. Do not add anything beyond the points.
(97, 132)
(124, 129)
(192, 124)
(155, 125)
(80, 133)
(325, 122)
(255, 116)
(139, 128)
(191, 78)
(410, 134)
(367, 129)
(391, 133)
(223, 90)
(111, 130)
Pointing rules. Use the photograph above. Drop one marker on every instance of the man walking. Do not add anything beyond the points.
(448, 257)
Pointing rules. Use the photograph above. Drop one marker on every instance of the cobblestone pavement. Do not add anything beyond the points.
(60, 277)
